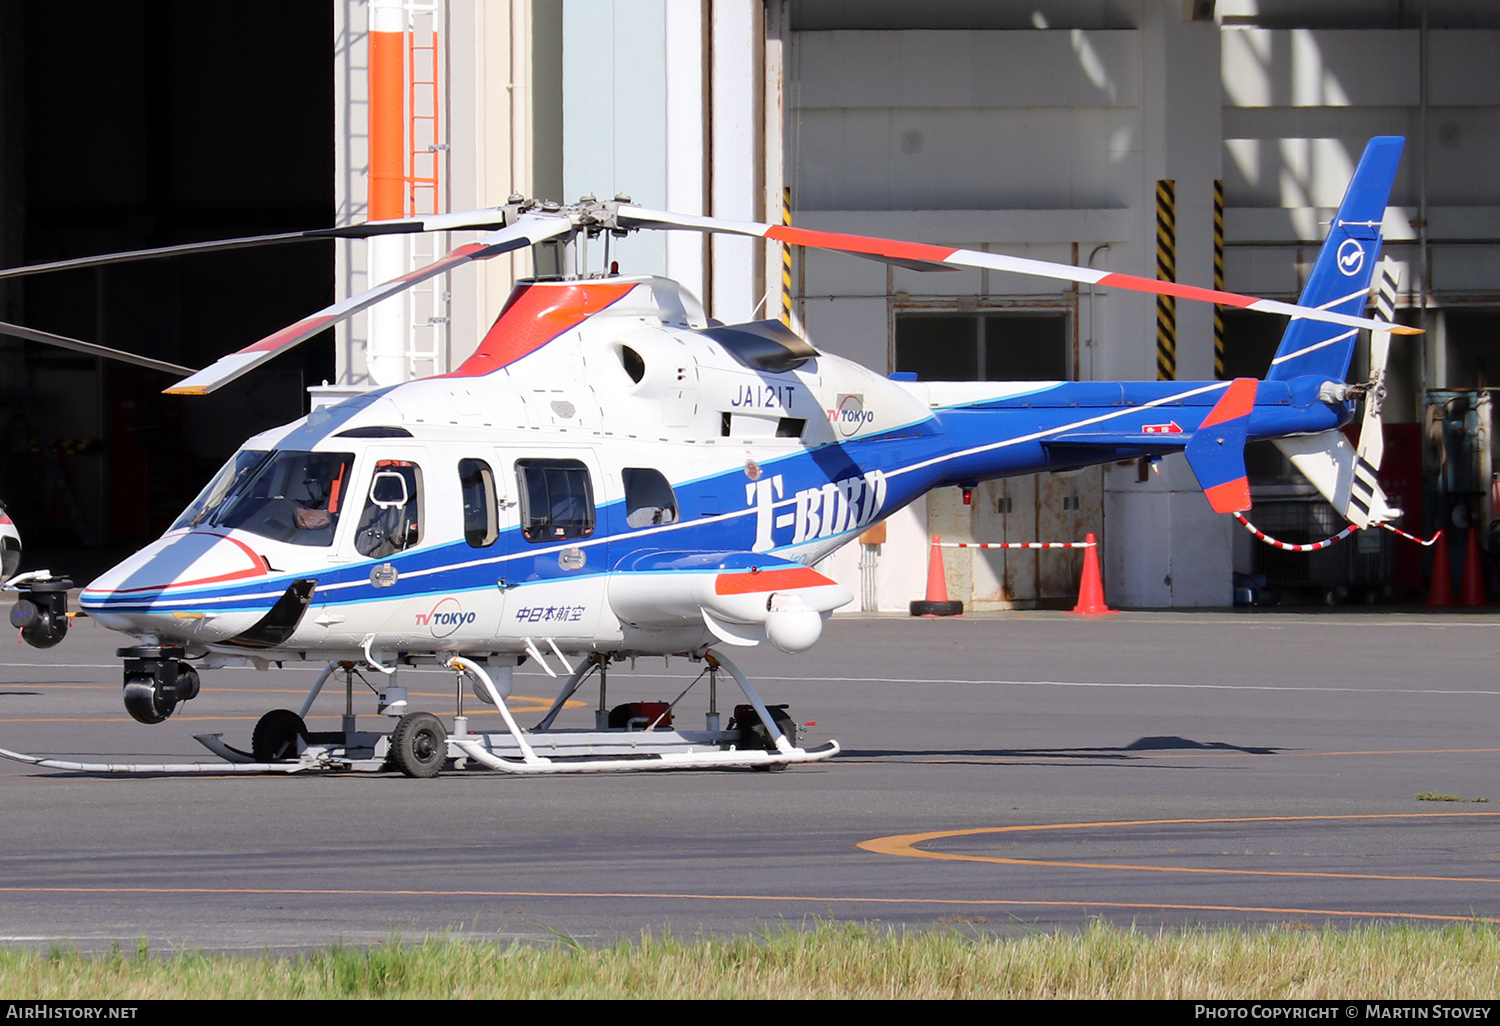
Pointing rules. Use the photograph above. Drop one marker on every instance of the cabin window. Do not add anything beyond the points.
(293, 497)
(1031, 346)
(557, 500)
(392, 519)
(477, 482)
(648, 498)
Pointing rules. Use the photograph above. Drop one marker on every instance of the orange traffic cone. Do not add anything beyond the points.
(1091, 585)
(1440, 591)
(936, 603)
(1471, 591)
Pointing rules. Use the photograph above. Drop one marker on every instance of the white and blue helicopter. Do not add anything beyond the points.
(613, 475)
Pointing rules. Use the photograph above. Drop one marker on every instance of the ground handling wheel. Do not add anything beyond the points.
(753, 732)
(419, 745)
(275, 736)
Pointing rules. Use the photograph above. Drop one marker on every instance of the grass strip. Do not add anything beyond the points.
(826, 961)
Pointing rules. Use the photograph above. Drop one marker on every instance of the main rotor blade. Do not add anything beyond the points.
(93, 349)
(156, 254)
(525, 232)
(891, 250)
(489, 218)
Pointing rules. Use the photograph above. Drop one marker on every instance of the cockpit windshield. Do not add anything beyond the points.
(293, 497)
(224, 484)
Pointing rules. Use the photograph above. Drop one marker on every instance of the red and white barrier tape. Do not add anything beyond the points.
(1018, 545)
(1315, 546)
(1274, 542)
(1412, 537)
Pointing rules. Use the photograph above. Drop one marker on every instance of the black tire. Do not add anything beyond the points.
(275, 736)
(921, 607)
(754, 735)
(753, 732)
(419, 745)
(145, 702)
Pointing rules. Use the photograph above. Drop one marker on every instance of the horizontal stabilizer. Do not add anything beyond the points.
(1133, 440)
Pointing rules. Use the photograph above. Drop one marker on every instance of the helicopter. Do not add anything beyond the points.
(612, 475)
(10, 547)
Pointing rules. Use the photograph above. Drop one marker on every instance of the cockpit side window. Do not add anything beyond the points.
(477, 482)
(649, 499)
(293, 497)
(557, 500)
(392, 518)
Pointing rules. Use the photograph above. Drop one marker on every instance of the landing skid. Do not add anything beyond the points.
(421, 746)
(155, 768)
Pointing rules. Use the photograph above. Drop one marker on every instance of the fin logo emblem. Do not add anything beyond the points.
(1351, 257)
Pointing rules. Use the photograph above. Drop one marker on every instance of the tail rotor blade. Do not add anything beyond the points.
(1371, 436)
(1367, 500)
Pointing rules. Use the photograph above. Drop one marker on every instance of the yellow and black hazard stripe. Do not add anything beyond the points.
(1166, 270)
(1219, 277)
(786, 258)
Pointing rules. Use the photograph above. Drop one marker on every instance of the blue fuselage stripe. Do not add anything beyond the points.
(828, 491)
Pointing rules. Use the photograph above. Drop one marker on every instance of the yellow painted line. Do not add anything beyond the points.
(906, 845)
(779, 898)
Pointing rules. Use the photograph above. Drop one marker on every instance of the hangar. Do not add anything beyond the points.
(1062, 129)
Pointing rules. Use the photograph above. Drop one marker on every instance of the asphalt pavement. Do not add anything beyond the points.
(1000, 773)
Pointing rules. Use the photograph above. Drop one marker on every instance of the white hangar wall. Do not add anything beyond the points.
(1039, 142)
(1041, 132)
(1038, 130)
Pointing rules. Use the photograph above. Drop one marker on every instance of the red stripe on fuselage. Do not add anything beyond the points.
(534, 316)
(769, 580)
(258, 570)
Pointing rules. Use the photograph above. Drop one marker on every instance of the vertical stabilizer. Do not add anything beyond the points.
(1340, 279)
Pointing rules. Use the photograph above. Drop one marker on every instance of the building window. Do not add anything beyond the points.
(1030, 346)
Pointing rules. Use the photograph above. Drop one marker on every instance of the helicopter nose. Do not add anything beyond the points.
(188, 586)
